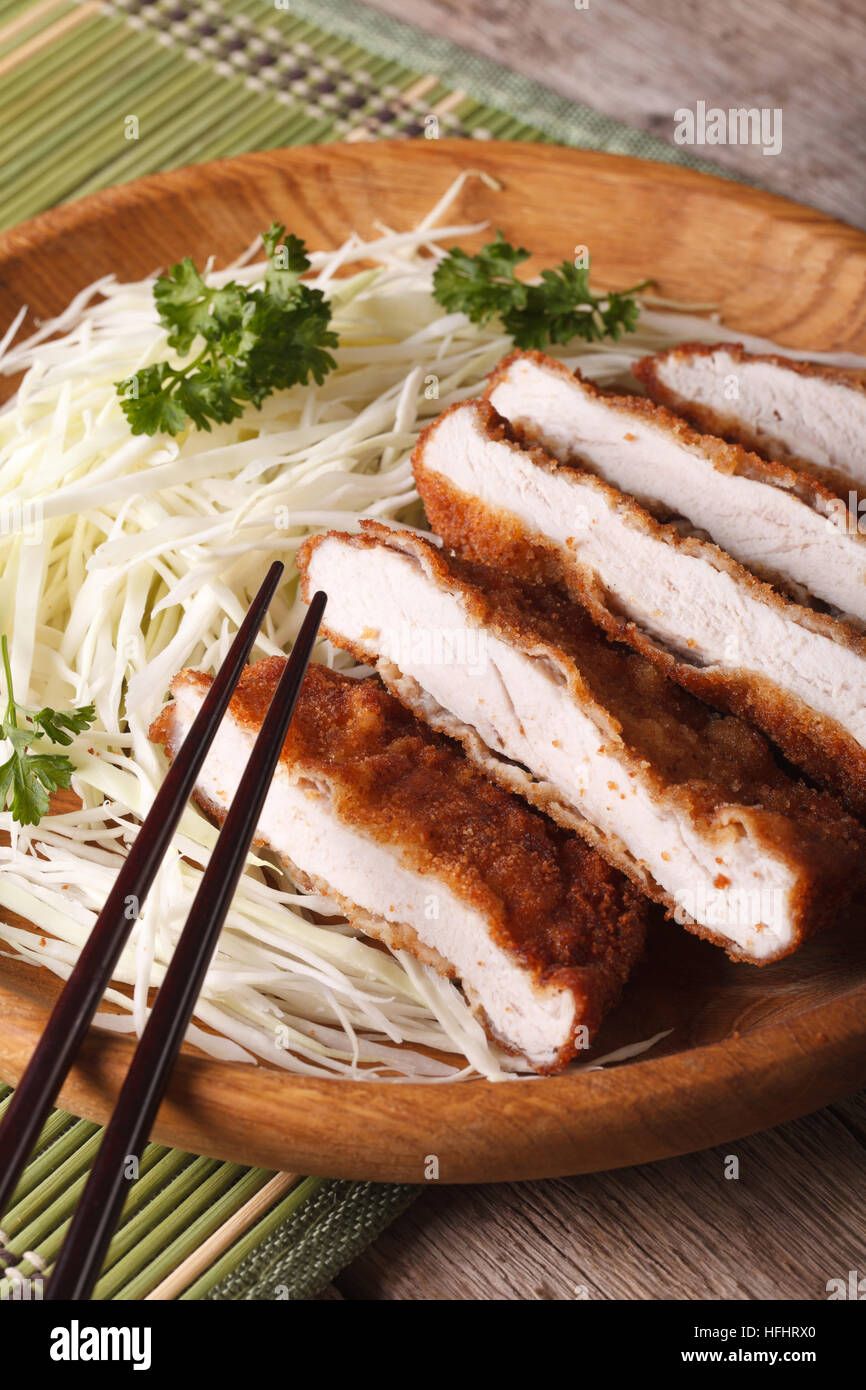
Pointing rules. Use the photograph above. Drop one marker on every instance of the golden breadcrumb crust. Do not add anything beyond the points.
(496, 536)
(731, 426)
(551, 903)
(715, 770)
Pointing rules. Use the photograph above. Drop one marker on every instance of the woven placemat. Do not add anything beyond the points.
(184, 1232)
(94, 94)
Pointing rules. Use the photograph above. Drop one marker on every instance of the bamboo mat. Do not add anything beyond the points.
(94, 94)
(192, 1228)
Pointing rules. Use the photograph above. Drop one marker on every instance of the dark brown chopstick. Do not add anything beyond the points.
(82, 994)
(83, 1251)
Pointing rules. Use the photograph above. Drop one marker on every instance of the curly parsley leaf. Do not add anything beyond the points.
(483, 285)
(183, 303)
(557, 309)
(254, 342)
(30, 777)
(60, 726)
(287, 261)
(34, 776)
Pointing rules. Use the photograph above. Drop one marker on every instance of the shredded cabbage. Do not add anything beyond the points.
(125, 558)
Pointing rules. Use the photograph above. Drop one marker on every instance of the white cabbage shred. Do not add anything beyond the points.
(125, 558)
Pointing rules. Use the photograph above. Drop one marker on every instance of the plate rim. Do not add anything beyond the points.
(65, 216)
(832, 1071)
(821, 1049)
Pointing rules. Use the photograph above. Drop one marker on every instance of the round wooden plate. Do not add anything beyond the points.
(748, 1048)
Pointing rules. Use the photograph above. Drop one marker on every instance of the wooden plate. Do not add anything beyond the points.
(749, 1047)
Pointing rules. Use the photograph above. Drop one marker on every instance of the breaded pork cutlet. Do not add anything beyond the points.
(689, 803)
(786, 527)
(374, 809)
(702, 618)
(805, 415)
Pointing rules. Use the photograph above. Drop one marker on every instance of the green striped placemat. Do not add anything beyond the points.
(94, 94)
(177, 1203)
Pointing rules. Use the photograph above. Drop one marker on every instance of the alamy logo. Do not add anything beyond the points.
(18, 1288)
(465, 648)
(77, 1343)
(852, 1287)
(850, 517)
(23, 519)
(740, 125)
(727, 906)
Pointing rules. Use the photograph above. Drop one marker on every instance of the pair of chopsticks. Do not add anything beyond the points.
(83, 1251)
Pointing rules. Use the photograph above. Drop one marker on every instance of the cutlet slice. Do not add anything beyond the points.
(785, 526)
(698, 615)
(423, 852)
(809, 416)
(689, 803)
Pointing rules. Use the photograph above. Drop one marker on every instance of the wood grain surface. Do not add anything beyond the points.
(640, 60)
(747, 1048)
(681, 1229)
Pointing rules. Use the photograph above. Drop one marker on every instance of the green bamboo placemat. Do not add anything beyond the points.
(177, 1203)
(94, 94)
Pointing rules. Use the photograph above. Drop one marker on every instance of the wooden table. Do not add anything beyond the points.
(640, 60)
(680, 1229)
(796, 1215)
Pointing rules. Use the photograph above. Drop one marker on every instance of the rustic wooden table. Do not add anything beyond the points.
(641, 60)
(796, 1215)
(682, 1229)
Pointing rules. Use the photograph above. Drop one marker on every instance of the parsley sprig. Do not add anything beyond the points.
(32, 777)
(254, 342)
(560, 307)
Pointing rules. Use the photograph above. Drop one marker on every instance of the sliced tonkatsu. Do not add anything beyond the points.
(422, 851)
(786, 527)
(689, 803)
(810, 416)
(683, 602)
